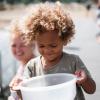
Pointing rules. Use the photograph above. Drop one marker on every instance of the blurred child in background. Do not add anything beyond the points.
(22, 52)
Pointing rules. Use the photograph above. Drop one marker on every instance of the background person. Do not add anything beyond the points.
(22, 52)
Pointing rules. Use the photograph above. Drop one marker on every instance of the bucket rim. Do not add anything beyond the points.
(73, 80)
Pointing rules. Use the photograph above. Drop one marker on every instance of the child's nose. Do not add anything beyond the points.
(18, 48)
(48, 50)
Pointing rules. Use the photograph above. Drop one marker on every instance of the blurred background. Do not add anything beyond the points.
(85, 14)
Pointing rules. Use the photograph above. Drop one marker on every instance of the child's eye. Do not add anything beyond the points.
(53, 46)
(13, 45)
(41, 46)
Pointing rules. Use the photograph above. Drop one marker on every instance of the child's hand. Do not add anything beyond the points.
(81, 76)
(15, 82)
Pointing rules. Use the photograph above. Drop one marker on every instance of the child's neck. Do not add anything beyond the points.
(50, 64)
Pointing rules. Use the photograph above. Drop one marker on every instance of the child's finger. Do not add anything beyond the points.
(78, 73)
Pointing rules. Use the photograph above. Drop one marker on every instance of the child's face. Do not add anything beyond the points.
(50, 45)
(21, 51)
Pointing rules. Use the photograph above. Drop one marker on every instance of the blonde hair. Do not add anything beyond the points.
(17, 31)
(15, 28)
(46, 17)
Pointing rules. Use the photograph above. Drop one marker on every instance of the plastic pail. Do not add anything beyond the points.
(59, 86)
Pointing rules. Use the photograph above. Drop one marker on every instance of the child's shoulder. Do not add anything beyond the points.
(70, 55)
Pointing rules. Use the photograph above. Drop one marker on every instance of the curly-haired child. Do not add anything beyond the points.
(52, 28)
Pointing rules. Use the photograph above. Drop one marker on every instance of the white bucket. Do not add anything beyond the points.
(59, 86)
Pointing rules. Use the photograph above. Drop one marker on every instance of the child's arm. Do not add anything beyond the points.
(86, 82)
(15, 92)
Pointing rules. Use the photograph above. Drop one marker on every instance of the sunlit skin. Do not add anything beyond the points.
(50, 47)
(23, 53)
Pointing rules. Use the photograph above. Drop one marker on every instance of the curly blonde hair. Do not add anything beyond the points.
(15, 30)
(46, 17)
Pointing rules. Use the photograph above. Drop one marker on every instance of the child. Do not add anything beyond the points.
(22, 52)
(52, 28)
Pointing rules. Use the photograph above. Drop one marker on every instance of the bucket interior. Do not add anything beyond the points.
(48, 80)
(59, 86)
